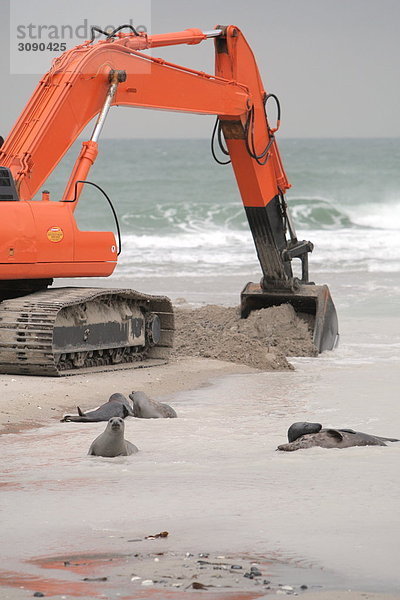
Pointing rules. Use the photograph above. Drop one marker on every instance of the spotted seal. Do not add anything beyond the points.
(147, 408)
(116, 406)
(307, 435)
(111, 442)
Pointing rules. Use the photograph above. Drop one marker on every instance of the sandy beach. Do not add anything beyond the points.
(35, 402)
(28, 402)
(261, 342)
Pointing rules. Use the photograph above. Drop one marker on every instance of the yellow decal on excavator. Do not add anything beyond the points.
(55, 234)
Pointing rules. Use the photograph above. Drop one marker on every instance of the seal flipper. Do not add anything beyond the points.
(127, 412)
(74, 419)
(384, 439)
(334, 433)
(378, 437)
(80, 413)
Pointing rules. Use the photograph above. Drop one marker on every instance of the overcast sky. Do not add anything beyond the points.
(333, 63)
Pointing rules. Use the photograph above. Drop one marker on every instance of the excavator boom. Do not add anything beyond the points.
(40, 240)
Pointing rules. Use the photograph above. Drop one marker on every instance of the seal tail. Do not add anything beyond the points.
(74, 419)
(79, 418)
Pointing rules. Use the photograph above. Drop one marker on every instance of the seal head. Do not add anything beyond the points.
(147, 408)
(112, 442)
(301, 428)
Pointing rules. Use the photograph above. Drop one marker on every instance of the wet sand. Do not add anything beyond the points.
(205, 339)
(90, 578)
(28, 402)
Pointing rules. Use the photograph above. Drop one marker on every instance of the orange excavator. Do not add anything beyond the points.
(61, 330)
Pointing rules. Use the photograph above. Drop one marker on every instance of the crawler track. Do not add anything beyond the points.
(63, 331)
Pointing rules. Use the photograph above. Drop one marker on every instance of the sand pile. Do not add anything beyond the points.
(263, 340)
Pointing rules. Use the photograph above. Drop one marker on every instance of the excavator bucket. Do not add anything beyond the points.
(312, 301)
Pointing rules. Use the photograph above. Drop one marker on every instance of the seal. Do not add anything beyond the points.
(111, 442)
(116, 406)
(302, 428)
(307, 435)
(147, 408)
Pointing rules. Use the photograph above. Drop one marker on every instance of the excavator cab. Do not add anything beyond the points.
(8, 190)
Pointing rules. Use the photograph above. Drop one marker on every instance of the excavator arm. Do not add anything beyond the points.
(75, 88)
(43, 240)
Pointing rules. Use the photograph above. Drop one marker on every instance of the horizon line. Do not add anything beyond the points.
(283, 137)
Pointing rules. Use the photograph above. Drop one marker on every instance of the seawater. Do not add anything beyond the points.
(185, 234)
(213, 479)
(212, 476)
(181, 213)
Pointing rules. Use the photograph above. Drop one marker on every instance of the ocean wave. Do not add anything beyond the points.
(336, 184)
(201, 213)
(204, 252)
(380, 215)
(210, 240)
(184, 217)
(233, 252)
(322, 213)
(313, 213)
(318, 213)
(358, 249)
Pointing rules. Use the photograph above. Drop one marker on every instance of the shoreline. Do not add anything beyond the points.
(29, 402)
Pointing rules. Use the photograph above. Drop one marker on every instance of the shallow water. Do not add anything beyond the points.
(213, 479)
